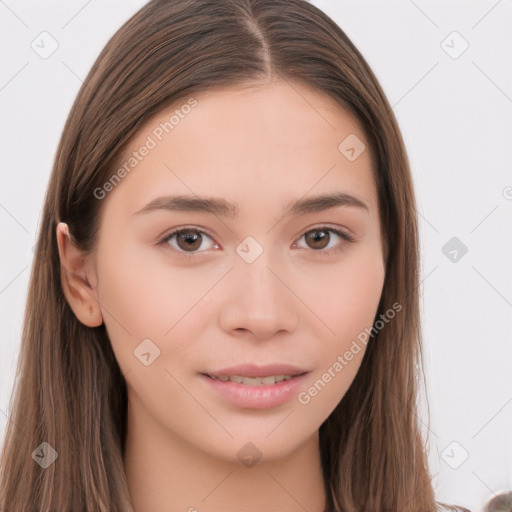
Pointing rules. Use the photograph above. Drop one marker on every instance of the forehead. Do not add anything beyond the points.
(246, 141)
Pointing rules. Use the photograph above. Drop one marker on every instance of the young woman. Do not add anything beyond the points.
(223, 309)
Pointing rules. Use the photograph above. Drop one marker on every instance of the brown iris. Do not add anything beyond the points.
(190, 238)
(317, 236)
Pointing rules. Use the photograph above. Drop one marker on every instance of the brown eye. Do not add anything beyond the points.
(317, 238)
(188, 241)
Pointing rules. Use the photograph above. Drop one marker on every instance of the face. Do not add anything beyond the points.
(259, 284)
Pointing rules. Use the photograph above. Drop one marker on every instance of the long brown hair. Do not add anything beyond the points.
(70, 392)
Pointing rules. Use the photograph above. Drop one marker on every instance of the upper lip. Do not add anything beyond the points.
(252, 370)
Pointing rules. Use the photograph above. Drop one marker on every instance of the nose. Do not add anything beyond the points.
(259, 299)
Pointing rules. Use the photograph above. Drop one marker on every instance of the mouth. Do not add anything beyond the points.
(253, 375)
(250, 387)
(254, 381)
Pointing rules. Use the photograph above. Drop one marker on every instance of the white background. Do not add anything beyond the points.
(456, 118)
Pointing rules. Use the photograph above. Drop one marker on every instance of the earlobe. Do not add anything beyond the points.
(76, 276)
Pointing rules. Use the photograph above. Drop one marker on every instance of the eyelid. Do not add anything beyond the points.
(346, 236)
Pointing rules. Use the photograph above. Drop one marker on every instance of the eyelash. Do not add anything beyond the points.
(345, 236)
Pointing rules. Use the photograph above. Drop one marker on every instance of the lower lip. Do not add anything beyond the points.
(256, 397)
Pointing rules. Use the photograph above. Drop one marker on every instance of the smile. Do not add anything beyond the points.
(255, 392)
(253, 381)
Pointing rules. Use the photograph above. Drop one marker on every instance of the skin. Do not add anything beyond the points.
(259, 146)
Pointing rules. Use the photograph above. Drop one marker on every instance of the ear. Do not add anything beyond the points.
(76, 275)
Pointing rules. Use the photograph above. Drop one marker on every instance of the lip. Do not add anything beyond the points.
(252, 370)
(256, 397)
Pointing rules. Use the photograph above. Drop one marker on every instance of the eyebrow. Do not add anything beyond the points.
(223, 208)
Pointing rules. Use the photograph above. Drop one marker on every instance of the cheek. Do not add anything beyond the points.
(144, 298)
(345, 298)
(345, 295)
(130, 302)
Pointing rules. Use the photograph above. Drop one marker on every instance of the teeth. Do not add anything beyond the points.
(253, 381)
